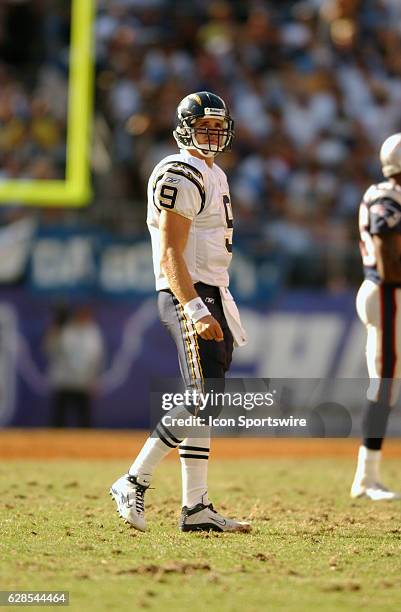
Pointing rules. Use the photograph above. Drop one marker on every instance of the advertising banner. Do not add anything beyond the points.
(299, 336)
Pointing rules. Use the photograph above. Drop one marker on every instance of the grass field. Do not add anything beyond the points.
(311, 549)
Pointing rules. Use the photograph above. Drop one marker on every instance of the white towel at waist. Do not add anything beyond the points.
(232, 317)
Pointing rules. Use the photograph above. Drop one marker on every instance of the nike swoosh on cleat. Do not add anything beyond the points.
(218, 522)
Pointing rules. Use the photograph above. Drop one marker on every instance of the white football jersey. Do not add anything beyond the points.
(187, 186)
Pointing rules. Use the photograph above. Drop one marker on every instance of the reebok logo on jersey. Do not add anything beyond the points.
(172, 179)
(209, 300)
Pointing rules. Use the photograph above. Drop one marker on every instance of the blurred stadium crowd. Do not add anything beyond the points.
(314, 87)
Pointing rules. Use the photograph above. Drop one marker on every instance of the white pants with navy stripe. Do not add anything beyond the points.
(379, 308)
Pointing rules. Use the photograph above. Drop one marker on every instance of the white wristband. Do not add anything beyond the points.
(196, 309)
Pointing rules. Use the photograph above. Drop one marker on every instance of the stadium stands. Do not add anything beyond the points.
(314, 87)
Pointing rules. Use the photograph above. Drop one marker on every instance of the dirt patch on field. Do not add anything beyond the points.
(112, 444)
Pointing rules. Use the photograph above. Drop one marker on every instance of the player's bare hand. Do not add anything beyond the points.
(209, 329)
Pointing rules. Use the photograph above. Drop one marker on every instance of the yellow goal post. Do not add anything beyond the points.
(75, 190)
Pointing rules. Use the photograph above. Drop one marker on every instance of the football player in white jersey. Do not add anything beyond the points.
(379, 308)
(191, 225)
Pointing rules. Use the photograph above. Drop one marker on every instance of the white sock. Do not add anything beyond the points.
(368, 468)
(153, 451)
(194, 456)
(159, 444)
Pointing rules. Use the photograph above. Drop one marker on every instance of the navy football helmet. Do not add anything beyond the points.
(195, 106)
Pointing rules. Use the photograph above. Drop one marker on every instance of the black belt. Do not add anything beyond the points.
(198, 285)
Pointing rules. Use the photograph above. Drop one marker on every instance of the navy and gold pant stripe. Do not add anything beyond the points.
(191, 346)
(199, 359)
(388, 312)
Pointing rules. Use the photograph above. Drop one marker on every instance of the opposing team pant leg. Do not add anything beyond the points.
(379, 308)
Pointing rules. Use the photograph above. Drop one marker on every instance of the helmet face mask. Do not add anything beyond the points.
(209, 141)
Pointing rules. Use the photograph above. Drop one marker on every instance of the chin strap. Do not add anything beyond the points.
(207, 153)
